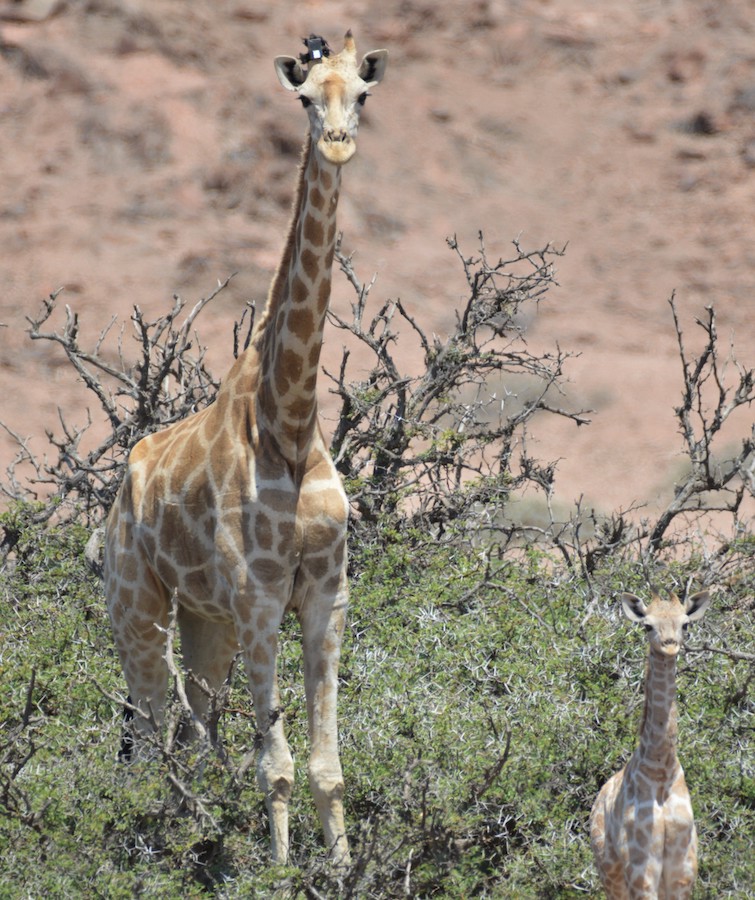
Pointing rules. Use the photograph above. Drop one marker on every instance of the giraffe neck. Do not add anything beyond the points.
(658, 732)
(288, 337)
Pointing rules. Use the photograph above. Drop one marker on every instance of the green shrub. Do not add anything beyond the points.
(480, 712)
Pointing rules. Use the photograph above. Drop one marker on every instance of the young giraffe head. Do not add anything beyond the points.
(666, 620)
(333, 90)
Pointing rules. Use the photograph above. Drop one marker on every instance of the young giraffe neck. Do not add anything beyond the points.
(288, 337)
(657, 750)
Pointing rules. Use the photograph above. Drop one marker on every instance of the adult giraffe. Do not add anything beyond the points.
(642, 829)
(238, 511)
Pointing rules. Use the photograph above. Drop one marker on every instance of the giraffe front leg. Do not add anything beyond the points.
(680, 864)
(275, 776)
(322, 631)
(275, 766)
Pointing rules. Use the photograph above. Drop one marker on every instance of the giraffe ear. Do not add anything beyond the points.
(634, 608)
(372, 68)
(290, 72)
(697, 605)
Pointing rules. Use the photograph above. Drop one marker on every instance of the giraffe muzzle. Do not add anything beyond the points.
(336, 146)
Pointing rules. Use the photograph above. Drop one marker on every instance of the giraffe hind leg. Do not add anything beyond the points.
(208, 648)
(139, 621)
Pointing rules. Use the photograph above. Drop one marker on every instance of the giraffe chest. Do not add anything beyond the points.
(269, 537)
(649, 826)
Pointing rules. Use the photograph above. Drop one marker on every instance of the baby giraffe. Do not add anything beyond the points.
(642, 829)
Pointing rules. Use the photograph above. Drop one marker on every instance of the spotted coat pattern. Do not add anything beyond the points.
(642, 829)
(237, 512)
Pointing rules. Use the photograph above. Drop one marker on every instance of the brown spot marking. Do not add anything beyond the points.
(299, 409)
(267, 570)
(268, 466)
(157, 483)
(276, 500)
(321, 535)
(318, 566)
(184, 464)
(316, 198)
(339, 554)
(246, 637)
(150, 545)
(260, 656)
(243, 612)
(196, 583)
(221, 457)
(263, 622)
(167, 572)
(126, 598)
(301, 322)
(313, 231)
(129, 569)
(327, 180)
(323, 295)
(258, 679)
(263, 531)
(288, 368)
(318, 670)
(299, 292)
(286, 530)
(281, 382)
(309, 263)
(179, 549)
(333, 584)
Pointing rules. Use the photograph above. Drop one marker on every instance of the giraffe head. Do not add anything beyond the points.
(333, 90)
(666, 620)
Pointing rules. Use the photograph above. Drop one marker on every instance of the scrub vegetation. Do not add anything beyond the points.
(489, 684)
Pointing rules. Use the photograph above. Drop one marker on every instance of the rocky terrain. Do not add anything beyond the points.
(147, 149)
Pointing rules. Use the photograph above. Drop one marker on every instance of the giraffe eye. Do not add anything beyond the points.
(647, 627)
(305, 101)
(362, 99)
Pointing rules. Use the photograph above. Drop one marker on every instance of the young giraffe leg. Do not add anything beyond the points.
(275, 765)
(607, 860)
(322, 621)
(680, 843)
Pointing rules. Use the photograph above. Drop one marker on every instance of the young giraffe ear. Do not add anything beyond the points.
(372, 68)
(634, 608)
(290, 72)
(697, 605)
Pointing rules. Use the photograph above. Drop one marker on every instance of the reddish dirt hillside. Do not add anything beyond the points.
(147, 148)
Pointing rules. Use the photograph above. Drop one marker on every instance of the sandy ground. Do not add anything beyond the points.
(147, 148)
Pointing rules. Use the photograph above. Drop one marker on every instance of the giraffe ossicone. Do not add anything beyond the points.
(642, 829)
(238, 510)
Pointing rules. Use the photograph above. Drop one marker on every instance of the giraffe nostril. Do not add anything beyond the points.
(336, 137)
